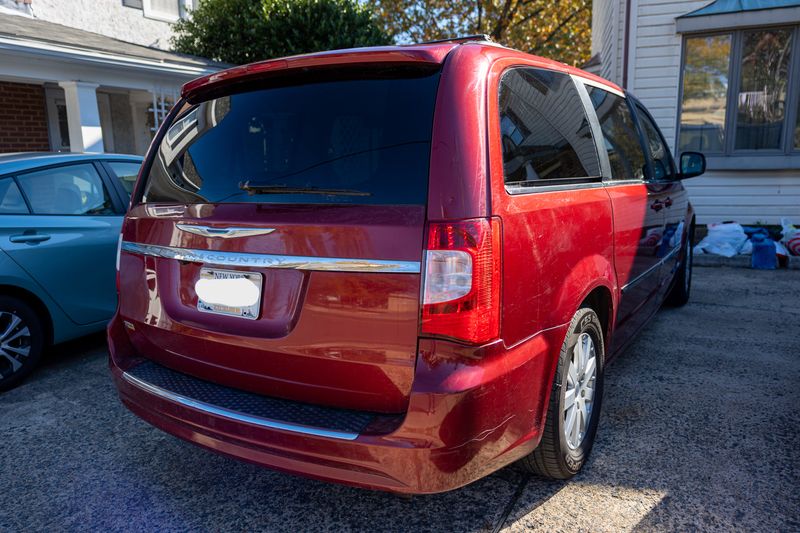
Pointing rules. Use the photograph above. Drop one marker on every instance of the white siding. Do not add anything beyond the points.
(604, 34)
(654, 76)
(746, 197)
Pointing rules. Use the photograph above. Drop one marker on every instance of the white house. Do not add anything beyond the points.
(720, 77)
(89, 75)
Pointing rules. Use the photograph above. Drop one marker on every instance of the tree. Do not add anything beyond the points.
(559, 30)
(243, 31)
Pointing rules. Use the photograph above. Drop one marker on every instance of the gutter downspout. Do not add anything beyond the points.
(627, 40)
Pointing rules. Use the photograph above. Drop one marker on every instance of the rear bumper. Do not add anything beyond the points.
(471, 411)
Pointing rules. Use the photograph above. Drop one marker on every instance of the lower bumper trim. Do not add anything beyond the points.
(235, 415)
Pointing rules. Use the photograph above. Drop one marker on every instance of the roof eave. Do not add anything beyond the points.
(98, 57)
(743, 19)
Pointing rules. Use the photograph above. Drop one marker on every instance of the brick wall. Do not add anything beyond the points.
(23, 119)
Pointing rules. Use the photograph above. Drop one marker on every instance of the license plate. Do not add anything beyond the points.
(229, 292)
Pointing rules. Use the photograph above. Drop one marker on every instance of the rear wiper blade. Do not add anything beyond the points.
(257, 188)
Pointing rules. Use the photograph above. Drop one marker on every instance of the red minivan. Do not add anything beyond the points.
(399, 268)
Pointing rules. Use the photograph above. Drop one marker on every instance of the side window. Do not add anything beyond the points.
(545, 133)
(663, 167)
(620, 135)
(126, 174)
(11, 201)
(67, 190)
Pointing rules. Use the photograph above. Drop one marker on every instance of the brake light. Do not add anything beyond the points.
(461, 297)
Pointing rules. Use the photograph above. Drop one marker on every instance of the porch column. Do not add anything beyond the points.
(83, 116)
(140, 100)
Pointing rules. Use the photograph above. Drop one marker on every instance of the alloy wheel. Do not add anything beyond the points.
(15, 343)
(579, 391)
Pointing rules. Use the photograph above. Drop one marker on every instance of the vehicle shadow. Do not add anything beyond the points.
(66, 354)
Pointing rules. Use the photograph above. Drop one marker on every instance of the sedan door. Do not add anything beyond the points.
(68, 241)
(124, 174)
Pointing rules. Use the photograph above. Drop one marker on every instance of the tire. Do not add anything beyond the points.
(682, 286)
(21, 341)
(558, 455)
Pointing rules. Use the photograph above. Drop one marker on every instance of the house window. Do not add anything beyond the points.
(737, 99)
(167, 10)
(762, 89)
(705, 93)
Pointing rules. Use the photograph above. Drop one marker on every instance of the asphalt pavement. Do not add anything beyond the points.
(700, 430)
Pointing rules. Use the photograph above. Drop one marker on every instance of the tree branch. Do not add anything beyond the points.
(560, 27)
(526, 18)
(501, 20)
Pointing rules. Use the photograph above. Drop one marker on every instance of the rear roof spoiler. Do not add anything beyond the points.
(430, 53)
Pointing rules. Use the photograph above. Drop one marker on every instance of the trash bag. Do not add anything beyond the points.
(725, 239)
(790, 237)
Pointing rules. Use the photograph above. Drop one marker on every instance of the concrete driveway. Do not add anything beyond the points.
(700, 430)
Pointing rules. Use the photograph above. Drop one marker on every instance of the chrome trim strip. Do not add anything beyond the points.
(613, 183)
(519, 191)
(225, 233)
(600, 85)
(641, 276)
(240, 259)
(235, 415)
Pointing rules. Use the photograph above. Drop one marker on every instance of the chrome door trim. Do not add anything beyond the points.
(235, 415)
(644, 274)
(224, 233)
(296, 262)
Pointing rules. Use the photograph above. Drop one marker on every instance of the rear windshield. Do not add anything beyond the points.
(358, 141)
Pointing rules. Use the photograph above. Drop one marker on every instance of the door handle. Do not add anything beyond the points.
(29, 238)
(657, 206)
(668, 202)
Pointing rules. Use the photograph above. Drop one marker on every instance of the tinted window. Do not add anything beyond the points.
(11, 201)
(67, 190)
(126, 173)
(659, 153)
(368, 139)
(620, 136)
(545, 133)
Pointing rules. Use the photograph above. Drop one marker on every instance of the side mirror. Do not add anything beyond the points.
(692, 164)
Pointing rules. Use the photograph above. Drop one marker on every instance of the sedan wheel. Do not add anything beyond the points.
(20, 341)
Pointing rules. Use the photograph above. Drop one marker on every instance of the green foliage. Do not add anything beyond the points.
(223, 30)
(558, 30)
(243, 31)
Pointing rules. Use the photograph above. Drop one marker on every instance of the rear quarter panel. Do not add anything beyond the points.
(63, 329)
(557, 245)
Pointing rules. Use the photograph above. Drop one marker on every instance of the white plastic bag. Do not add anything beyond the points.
(790, 236)
(723, 239)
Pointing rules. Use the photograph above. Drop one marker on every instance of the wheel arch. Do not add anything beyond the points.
(39, 307)
(589, 283)
(600, 300)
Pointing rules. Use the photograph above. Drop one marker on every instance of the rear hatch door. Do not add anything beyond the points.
(276, 242)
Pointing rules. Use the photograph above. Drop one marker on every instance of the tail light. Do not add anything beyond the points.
(461, 297)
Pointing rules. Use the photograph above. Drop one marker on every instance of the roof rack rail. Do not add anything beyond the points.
(464, 39)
